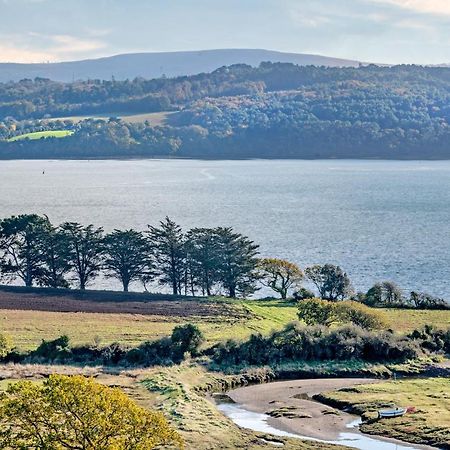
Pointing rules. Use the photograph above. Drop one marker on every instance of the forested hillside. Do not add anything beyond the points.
(272, 111)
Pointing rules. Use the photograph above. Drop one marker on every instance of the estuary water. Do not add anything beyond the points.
(377, 219)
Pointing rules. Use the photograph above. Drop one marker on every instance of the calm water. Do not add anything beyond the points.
(259, 422)
(353, 439)
(377, 219)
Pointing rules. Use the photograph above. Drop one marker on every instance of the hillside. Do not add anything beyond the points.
(275, 110)
(155, 65)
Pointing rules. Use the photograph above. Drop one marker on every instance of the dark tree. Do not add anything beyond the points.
(127, 257)
(85, 246)
(20, 246)
(167, 243)
(56, 257)
(386, 293)
(331, 281)
(203, 258)
(237, 262)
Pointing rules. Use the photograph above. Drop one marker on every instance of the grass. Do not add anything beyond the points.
(42, 135)
(155, 118)
(28, 328)
(406, 320)
(429, 424)
(202, 426)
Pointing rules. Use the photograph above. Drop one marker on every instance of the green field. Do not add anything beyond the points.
(155, 118)
(28, 328)
(42, 135)
(428, 424)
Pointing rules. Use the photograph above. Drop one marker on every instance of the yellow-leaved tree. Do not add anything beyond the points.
(78, 413)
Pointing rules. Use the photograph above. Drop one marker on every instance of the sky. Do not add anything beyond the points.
(381, 31)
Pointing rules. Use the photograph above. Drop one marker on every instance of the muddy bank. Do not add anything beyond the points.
(289, 408)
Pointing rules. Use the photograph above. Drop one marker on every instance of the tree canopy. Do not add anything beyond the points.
(78, 413)
(276, 110)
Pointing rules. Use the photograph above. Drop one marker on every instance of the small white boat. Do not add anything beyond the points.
(390, 413)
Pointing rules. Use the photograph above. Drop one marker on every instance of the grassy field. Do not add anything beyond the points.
(155, 119)
(430, 397)
(42, 134)
(241, 318)
(28, 328)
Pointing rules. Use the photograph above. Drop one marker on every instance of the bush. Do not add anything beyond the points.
(58, 349)
(43, 416)
(303, 294)
(151, 353)
(5, 345)
(432, 339)
(317, 343)
(323, 312)
(185, 339)
(316, 311)
(359, 315)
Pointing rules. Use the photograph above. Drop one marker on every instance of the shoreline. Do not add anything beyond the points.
(300, 414)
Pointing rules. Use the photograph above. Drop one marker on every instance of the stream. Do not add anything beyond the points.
(353, 438)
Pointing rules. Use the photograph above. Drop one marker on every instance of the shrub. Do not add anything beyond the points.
(303, 294)
(185, 339)
(432, 339)
(5, 345)
(359, 315)
(52, 350)
(77, 412)
(323, 312)
(317, 343)
(422, 300)
(151, 353)
(315, 311)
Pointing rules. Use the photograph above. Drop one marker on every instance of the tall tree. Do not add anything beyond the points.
(127, 256)
(55, 253)
(20, 246)
(280, 275)
(237, 262)
(85, 246)
(331, 281)
(203, 258)
(168, 246)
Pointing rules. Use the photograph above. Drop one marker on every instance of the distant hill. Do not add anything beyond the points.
(275, 110)
(155, 65)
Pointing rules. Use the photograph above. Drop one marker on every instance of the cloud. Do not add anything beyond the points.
(422, 6)
(58, 47)
(10, 53)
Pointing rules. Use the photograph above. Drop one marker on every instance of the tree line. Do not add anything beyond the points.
(200, 261)
(34, 99)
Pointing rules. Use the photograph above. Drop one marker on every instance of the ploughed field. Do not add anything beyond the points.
(110, 302)
(30, 315)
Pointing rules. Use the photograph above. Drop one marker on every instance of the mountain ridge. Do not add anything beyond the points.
(157, 64)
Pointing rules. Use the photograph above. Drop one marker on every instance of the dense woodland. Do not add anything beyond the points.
(273, 111)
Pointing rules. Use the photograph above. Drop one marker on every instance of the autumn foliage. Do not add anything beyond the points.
(78, 413)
